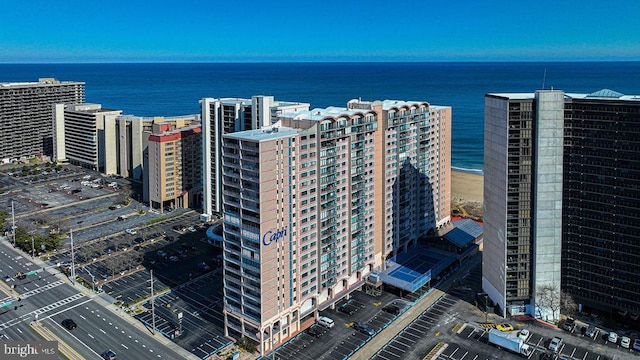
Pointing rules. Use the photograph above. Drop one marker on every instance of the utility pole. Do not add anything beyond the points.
(179, 323)
(13, 228)
(73, 263)
(153, 307)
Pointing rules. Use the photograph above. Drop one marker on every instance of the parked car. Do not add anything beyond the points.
(636, 344)
(325, 321)
(69, 324)
(347, 309)
(625, 342)
(314, 331)
(569, 324)
(363, 328)
(131, 231)
(592, 332)
(556, 344)
(613, 337)
(504, 327)
(391, 309)
(524, 334)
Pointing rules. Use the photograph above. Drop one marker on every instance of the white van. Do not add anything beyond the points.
(325, 321)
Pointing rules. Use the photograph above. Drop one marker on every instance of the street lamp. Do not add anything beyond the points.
(13, 227)
(93, 279)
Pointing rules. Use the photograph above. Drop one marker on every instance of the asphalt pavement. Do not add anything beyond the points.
(49, 298)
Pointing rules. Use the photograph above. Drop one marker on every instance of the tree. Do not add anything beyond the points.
(3, 217)
(569, 304)
(548, 301)
(125, 194)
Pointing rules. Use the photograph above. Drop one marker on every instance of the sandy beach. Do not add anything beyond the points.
(467, 189)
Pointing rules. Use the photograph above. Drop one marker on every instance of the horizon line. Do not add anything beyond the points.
(322, 62)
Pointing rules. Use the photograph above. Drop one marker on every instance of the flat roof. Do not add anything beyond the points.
(269, 133)
(319, 114)
(603, 94)
(390, 104)
(41, 82)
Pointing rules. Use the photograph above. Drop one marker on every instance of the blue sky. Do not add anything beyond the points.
(326, 30)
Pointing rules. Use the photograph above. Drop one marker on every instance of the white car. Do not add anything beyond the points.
(625, 342)
(131, 231)
(613, 337)
(556, 344)
(325, 321)
(524, 334)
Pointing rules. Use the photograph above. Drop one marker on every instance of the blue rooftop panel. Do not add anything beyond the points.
(464, 232)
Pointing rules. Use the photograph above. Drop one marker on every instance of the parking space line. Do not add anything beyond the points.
(402, 336)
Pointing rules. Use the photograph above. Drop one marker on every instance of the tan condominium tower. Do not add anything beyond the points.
(320, 199)
(173, 167)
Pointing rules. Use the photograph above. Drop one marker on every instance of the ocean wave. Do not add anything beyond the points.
(471, 171)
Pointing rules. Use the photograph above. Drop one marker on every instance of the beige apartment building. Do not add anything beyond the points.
(319, 200)
(84, 135)
(133, 133)
(173, 167)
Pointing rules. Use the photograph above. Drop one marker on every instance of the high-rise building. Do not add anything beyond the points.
(26, 115)
(302, 200)
(132, 133)
(225, 116)
(84, 134)
(560, 193)
(174, 167)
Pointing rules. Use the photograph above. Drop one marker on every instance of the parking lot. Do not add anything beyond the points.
(572, 347)
(117, 241)
(200, 329)
(408, 341)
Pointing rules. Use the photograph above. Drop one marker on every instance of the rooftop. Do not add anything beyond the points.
(319, 114)
(269, 133)
(40, 82)
(604, 94)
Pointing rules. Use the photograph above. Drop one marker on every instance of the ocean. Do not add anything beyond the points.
(163, 89)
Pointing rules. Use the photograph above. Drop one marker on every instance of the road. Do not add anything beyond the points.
(46, 297)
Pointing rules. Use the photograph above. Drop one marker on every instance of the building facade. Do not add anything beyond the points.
(132, 134)
(174, 167)
(301, 200)
(26, 115)
(225, 116)
(413, 156)
(546, 227)
(84, 134)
